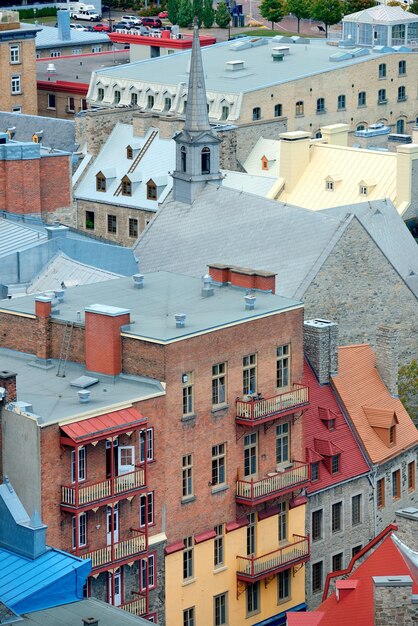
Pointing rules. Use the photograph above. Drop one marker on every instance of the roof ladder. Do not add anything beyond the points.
(65, 349)
(143, 150)
(119, 189)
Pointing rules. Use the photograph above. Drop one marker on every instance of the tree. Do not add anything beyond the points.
(173, 11)
(413, 8)
(353, 6)
(185, 13)
(198, 10)
(327, 11)
(272, 10)
(301, 9)
(408, 388)
(208, 15)
(222, 15)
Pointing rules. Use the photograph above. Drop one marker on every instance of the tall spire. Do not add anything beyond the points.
(197, 118)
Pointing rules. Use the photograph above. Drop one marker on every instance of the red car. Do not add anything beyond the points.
(163, 15)
(102, 28)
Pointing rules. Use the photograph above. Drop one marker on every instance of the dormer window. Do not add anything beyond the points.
(129, 152)
(116, 96)
(264, 163)
(329, 185)
(315, 471)
(100, 182)
(331, 425)
(383, 422)
(392, 435)
(151, 190)
(335, 464)
(363, 190)
(150, 102)
(126, 186)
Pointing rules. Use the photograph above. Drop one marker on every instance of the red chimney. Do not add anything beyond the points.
(102, 336)
(243, 277)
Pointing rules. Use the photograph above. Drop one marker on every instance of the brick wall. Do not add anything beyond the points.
(26, 69)
(55, 179)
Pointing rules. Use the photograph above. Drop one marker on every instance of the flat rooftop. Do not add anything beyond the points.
(153, 308)
(79, 68)
(304, 59)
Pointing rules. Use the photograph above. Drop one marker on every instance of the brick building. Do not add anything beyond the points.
(17, 64)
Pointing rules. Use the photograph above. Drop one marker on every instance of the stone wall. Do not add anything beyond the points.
(92, 128)
(387, 514)
(393, 603)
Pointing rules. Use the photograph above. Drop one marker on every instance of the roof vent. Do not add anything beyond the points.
(138, 281)
(250, 301)
(59, 295)
(90, 621)
(83, 396)
(234, 66)
(180, 320)
(207, 289)
(277, 54)
(50, 68)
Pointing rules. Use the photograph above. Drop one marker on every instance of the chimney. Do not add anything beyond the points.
(387, 357)
(8, 382)
(294, 157)
(343, 588)
(320, 342)
(406, 171)
(64, 31)
(415, 134)
(43, 309)
(394, 601)
(103, 343)
(335, 134)
(243, 277)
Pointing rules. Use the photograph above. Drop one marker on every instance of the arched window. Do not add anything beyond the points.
(205, 160)
(183, 158)
(134, 98)
(361, 127)
(150, 102)
(116, 96)
(126, 186)
(320, 105)
(256, 113)
(100, 94)
(400, 127)
(278, 110)
(100, 182)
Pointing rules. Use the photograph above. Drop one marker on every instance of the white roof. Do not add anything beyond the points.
(241, 181)
(382, 14)
(270, 148)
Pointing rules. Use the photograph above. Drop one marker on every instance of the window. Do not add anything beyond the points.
(51, 101)
(15, 84)
(218, 384)
(188, 558)
(116, 96)
(151, 190)
(70, 104)
(256, 113)
(282, 443)
(282, 366)
(14, 54)
(361, 102)
(249, 374)
(17, 109)
(329, 185)
(188, 404)
(335, 464)
(167, 104)
(278, 110)
(401, 93)
(111, 224)
(299, 108)
(150, 102)
(317, 576)
(382, 70)
(134, 99)
(187, 476)
(133, 227)
(381, 96)
(218, 546)
(356, 510)
(361, 127)
(146, 508)
(315, 471)
(205, 161)
(282, 520)
(82, 530)
(220, 609)
(76, 51)
(400, 129)
(337, 562)
(380, 493)
(147, 573)
(402, 68)
(253, 598)
(341, 102)
(55, 54)
(283, 585)
(89, 220)
(320, 105)
(126, 187)
(392, 435)
(356, 550)
(100, 182)
(96, 49)
(100, 94)
(148, 437)
(219, 464)
(396, 484)
(78, 470)
(188, 617)
(84, 105)
(336, 517)
(250, 454)
(317, 525)
(183, 158)
(411, 476)
(363, 190)
(251, 528)
(225, 113)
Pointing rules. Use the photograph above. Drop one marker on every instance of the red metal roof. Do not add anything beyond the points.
(164, 41)
(102, 426)
(338, 441)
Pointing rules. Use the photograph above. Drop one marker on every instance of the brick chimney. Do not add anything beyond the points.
(294, 157)
(320, 344)
(8, 382)
(387, 357)
(393, 601)
(102, 336)
(243, 277)
(43, 308)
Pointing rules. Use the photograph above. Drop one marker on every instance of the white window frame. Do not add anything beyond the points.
(81, 464)
(14, 52)
(146, 507)
(16, 84)
(54, 54)
(82, 530)
(96, 49)
(149, 434)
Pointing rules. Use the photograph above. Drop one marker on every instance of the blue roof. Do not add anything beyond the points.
(50, 36)
(51, 579)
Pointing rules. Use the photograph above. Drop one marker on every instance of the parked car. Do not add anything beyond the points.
(102, 28)
(152, 22)
(124, 25)
(131, 18)
(163, 15)
(87, 14)
(78, 27)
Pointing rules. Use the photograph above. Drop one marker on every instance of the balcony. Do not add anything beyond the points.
(137, 607)
(275, 484)
(85, 494)
(251, 568)
(120, 551)
(258, 410)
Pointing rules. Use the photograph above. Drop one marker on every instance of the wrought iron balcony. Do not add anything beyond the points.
(136, 607)
(88, 493)
(253, 568)
(118, 552)
(257, 410)
(273, 485)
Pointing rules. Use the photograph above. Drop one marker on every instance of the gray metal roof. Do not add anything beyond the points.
(58, 134)
(72, 615)
(14, 237)
(49, 37)
(79, 67)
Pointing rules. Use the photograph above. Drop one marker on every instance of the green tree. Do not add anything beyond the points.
(301, 9)
(408, 388)
(353, 6)
(185, 13)
(173, 11)
(208, 15)
(222, 15)
(327, 11)
(272, 10)
(198, 10)
(413, 8)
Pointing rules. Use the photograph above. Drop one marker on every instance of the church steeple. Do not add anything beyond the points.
(197, 150)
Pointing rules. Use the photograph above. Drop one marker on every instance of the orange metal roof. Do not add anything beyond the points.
(102, 426)
(363, 392)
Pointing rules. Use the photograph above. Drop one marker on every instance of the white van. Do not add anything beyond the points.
(86, 14)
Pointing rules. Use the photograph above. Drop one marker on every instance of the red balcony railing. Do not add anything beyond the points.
(253, 568)
(118, 552)
(276, 483)
(83, 494)
(258, 410)
(136, 607)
